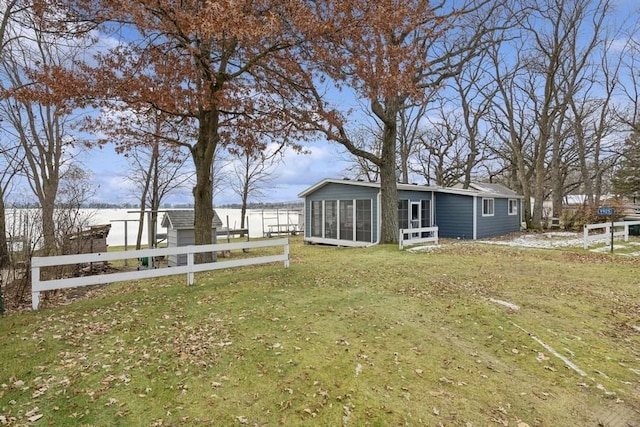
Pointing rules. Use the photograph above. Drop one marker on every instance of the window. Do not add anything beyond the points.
(342, 219)
(363, 220)
(403, 214)
(487, 207)
(316, 218)
(331, 219)
(346, 220)
(513, 207)
(425, 212)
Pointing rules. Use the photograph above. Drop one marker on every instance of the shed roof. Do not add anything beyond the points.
(184, 219)
(487, 190)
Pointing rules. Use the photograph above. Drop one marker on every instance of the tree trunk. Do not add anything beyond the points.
(388, 182)
(143, 205)
(48, 222)
(4, 252)
(155, 196)
(538, 195)
(202, 153)
(245, 196)
(542, 144)
(557, 180)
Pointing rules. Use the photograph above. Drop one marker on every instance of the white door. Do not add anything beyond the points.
(415, 217)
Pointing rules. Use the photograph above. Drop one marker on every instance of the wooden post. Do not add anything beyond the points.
(286, 254)
(612, 230)
(190, 263)
(35, 282)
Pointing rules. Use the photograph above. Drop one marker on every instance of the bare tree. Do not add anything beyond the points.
(392, 54)
(361, 168)
(74, 191)
(11, 164)
(410, 131)
(253, 169)
(41, 124)
(156, 167)
(553, 66)
(441, 153)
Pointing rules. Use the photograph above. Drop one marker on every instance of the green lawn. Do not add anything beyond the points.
(347, 337)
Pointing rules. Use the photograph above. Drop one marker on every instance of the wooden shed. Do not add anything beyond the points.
(347, 213)
(86, 241)
(181, 231)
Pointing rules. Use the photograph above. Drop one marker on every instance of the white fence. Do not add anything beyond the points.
(38, 285)
(621, 226)
(414, 236)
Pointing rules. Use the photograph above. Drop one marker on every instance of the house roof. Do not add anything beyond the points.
(184, 219)
(488, 190)
(493, 188)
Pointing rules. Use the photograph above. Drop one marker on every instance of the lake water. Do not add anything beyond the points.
(260, 222)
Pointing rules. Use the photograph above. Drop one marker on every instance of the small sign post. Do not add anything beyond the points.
(608, 211)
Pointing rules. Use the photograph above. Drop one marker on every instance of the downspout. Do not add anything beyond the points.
(475, 217)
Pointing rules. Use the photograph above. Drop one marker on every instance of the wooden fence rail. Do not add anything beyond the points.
(38, 285)
(414, 236)
(621, 226)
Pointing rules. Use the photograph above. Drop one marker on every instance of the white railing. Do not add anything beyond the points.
(38, 285)
(414, 236)
(624, 233)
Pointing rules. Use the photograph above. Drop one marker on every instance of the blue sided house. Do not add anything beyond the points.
(347, 212)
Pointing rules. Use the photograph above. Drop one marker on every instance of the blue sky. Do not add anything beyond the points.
(293, 175)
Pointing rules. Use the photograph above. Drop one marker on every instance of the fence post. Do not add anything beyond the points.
(585, 244)
(626, 232)
(400, 242)
(35, 284)
(190, 263)
(286, 254)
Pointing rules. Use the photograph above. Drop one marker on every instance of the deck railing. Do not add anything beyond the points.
(414, 236)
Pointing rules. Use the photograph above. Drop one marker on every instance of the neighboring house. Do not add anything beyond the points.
(347, 213)
(181, 231)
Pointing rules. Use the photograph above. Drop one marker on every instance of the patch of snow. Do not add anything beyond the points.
(550, 240)
(560, 234)
(505, 303)
(423, 248)
(536, 241)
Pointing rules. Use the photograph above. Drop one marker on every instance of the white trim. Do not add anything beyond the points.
(354, 219)
(433, 209)
(323, 218)
(413, 203)
(379, 221)
(509, 207)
